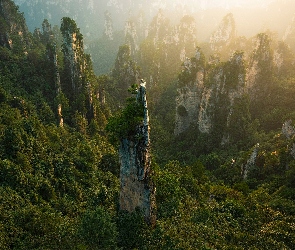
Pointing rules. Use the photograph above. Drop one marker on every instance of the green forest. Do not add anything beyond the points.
(221, 129)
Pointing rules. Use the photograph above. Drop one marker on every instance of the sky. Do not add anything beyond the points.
(251, 16)
(228, 4)
(208, 4)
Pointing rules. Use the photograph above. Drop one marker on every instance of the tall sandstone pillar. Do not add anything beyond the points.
(137, 188)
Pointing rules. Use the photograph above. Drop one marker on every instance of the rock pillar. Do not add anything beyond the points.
(137, 188)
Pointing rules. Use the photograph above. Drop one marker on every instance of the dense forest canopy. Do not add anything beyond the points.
(221, 106)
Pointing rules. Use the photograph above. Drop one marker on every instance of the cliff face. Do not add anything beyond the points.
(224, 34)
(78, 77)
(190, 100)
(73, 51)
(51, 54)
(108, 25)
(220, 97)
(208, 96)
(13, 29)
(131, 36)
(289, 35)
(137, 188)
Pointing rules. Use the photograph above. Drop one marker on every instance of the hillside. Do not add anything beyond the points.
(221, 155)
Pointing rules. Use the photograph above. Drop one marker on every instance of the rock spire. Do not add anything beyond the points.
(137, 188)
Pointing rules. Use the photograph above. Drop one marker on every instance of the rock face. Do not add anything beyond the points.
(289, 35)
(208, 96)
(288, 130)
(191, 95)
(58, 89)
(250, 162)
(52, 57)
(220, 98)
(137, 188)
(131, 36)
(125, 73)
(108, 25)
(224, 34)
(78, 76)
(73, 51)
(13, 29)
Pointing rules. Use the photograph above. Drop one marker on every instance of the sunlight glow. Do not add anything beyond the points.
(229, 4)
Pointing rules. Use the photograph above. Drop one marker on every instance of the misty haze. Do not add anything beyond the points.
(136, 124)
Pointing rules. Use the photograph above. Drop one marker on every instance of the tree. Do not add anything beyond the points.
(124, 123)
(125, 73)
(98, 230)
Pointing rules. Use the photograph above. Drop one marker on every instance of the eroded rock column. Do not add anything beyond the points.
(137, 188)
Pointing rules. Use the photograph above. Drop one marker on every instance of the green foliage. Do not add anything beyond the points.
(69, 27)
(235, 71)
(124, 124)
(109, 162)
(132, 228)
(125, 73)
(97, 229)
(48, 173)
(104, 52)
(169, 195)
(190, 68)
(59, 186)
(182, 111)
